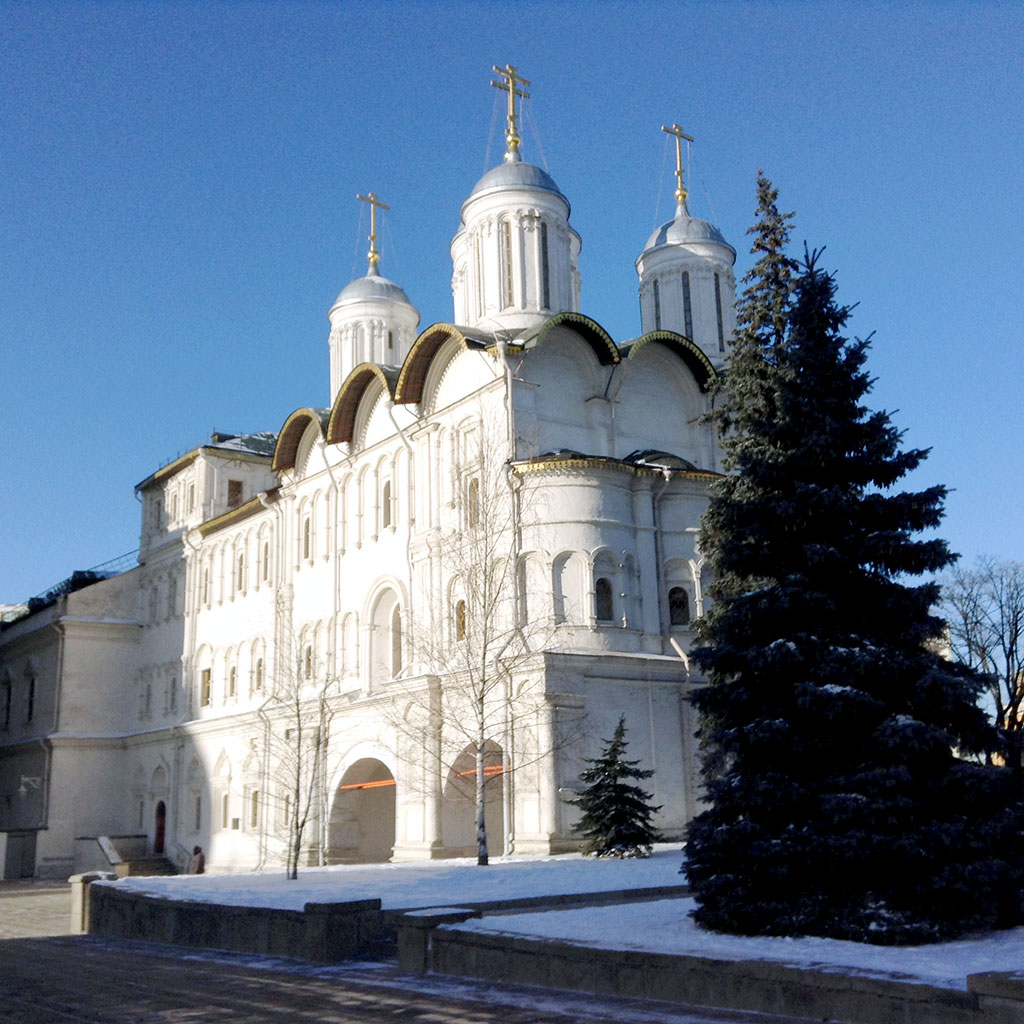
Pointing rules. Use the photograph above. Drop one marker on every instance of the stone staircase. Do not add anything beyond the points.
(144, 866)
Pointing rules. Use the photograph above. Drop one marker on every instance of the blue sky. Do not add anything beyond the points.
(178, 212)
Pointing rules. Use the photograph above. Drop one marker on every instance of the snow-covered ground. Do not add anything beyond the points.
(662, 926)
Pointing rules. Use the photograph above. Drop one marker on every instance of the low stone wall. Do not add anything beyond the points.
(741, 985)
(320, 932)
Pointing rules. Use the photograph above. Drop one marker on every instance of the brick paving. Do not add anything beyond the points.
(50, 977)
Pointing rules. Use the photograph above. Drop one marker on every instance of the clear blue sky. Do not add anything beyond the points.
(177, 210)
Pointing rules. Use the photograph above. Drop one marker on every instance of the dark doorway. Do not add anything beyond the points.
(161, 827)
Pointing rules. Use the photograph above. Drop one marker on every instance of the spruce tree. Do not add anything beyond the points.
(616, 820)
(836, 803)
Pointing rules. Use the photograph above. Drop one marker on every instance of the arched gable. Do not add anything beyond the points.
(342, 422)
(413, 375)
(295, 427)
(599, 340)
(698, 363)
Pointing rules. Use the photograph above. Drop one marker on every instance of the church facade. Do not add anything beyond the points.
(435, 597)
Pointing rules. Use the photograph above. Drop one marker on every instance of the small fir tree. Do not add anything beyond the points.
(616, 819)
(836, 804)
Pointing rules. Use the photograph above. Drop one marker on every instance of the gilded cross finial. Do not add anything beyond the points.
(511, 85)
(677, 131)
(373, 256)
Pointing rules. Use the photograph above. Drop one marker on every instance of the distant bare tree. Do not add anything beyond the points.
(984, 606)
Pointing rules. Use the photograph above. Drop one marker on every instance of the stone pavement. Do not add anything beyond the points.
(65, 979)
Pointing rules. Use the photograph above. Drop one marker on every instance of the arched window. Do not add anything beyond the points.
(687, 307)
(718, 311)
(266, 561)
(473, 503)
(258, 682)
(396, 640)
(307, 537)
(385, 638)
(506, 264)
(232, 681)
(254, 809)
(678, 607)
(206, 585)
(307, 661)
(385, 505)
(657, 307)
(545, 271)
(604, 605)
(460, 620)
(240, 574)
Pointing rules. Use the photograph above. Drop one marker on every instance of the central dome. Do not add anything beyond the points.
(515, 175)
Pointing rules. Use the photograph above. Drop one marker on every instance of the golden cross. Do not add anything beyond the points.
(677, 131)
(511, 85)
(373, 256)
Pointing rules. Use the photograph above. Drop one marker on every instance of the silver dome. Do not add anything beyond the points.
(372, 288)
(513, 175)
(682, 229)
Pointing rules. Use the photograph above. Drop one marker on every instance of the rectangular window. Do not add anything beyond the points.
(234, 493)
(657, 307)
(191, 497)
(232, 681)
(225, 811)
(197, 820)
(30, 699)
(545, 276)
(205, 688)
(506, 260)
(266, 561)
(254, 809)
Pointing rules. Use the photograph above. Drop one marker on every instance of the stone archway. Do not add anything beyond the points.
(458, 816)
(362, 825)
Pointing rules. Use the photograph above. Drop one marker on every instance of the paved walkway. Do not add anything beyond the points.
(50, 977)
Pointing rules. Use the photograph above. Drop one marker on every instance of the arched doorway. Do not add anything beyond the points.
(458, 820)
(362, 826)
(160, 831)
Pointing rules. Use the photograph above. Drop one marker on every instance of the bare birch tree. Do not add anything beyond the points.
(984, 607)
(479, 640)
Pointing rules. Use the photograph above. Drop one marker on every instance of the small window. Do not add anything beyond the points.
(307, 661)
(233, 682)
(6, 706)
(174, 507)
(460, 620)
(259, 674)
(603, 605)
(206, 586)
(172, 597)
(197, 818)
(678, 607)
(234, 493)
(391, 341)
(254, 809)
(385, 505)
(687, 307)
(240, 575)
(172, 693)
(30, 699)
(266, 561)
(657, 307)
(473, 503)
(205, 689)
(191, 497)
(225, 811)
(307, 538)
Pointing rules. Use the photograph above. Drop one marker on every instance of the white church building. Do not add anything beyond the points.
(486, 542)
